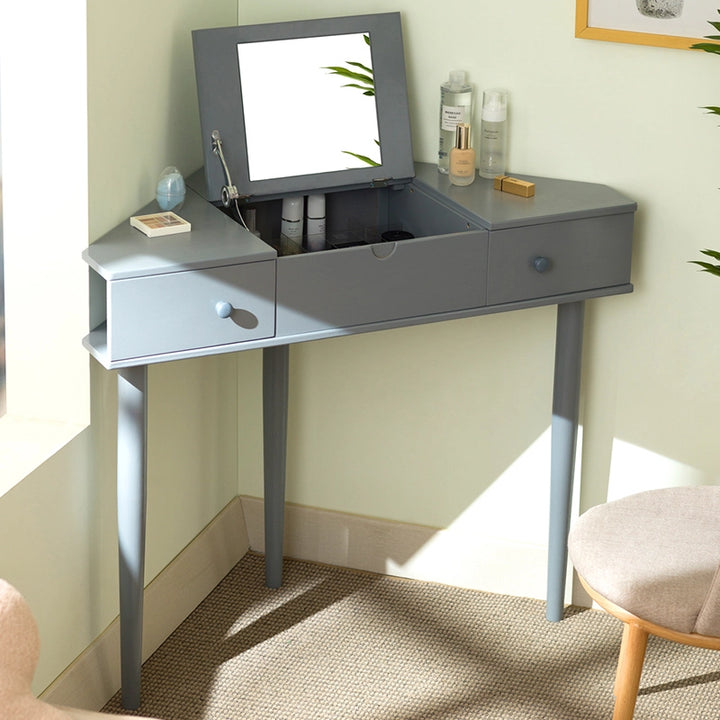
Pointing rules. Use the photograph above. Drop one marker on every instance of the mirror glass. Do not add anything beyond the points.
(309, 105)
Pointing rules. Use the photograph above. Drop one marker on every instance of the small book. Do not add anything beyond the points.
(164, 223)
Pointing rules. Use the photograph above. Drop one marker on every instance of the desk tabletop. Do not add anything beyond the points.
(215, 240)
(554, 200)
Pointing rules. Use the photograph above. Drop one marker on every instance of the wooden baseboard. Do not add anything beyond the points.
(94, 677)
(455, 557)
(463, 556)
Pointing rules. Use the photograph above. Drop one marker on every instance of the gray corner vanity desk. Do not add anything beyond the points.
(466, 251)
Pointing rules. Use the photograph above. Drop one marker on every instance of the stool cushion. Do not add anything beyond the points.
(655, 554)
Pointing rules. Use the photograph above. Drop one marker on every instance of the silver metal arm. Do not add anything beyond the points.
(228, 192)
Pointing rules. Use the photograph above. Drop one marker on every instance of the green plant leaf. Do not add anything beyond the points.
(363, 67)
(707, 267)
(344, 72)
(363, 158)
(365, 90)
(711, 253)
(707, 47)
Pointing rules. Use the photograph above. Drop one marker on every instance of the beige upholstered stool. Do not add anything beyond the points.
(653, 561)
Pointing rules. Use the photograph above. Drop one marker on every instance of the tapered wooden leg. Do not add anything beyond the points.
(619, 668)
(275, 417)
(131, 494)
(629, 670)
(566, 399)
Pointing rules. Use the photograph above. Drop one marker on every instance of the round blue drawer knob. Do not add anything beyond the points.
(541, 264)
(223, 309)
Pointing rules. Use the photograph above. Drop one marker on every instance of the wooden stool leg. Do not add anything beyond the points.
(629, 670)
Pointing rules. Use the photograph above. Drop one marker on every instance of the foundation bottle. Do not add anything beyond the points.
(462, 157)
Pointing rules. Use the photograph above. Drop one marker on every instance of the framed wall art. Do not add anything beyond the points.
(663, 23)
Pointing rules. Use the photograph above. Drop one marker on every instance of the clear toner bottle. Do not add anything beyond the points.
(456, 106)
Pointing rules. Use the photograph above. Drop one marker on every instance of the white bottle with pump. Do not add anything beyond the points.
(493, 133)
(456, 106)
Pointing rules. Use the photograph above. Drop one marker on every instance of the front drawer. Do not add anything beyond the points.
(386, 281)
(562, 257)
(183, 310)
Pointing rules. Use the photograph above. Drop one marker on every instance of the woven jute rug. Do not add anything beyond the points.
(338, 644)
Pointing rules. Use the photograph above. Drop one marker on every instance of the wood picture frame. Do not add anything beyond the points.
(702, 12)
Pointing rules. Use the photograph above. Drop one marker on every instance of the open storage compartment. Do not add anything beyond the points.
(390, 254)
(387, 254)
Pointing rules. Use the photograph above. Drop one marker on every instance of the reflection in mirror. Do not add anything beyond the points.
(309, 105)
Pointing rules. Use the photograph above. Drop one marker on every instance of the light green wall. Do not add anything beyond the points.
(57, 526)
(143, 116)
(427, 424)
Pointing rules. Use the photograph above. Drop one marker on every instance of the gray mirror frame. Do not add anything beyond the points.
(221, 104)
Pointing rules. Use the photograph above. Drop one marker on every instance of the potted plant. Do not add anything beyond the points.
(711, 47)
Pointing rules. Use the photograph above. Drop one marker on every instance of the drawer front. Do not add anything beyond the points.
(571, 256)
(184, 310)
(387, 281)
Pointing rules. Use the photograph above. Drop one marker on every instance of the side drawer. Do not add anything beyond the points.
(179, 311)
(562, 257)
(386, 281)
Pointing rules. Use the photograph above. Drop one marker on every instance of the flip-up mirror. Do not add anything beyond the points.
(303, 106)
